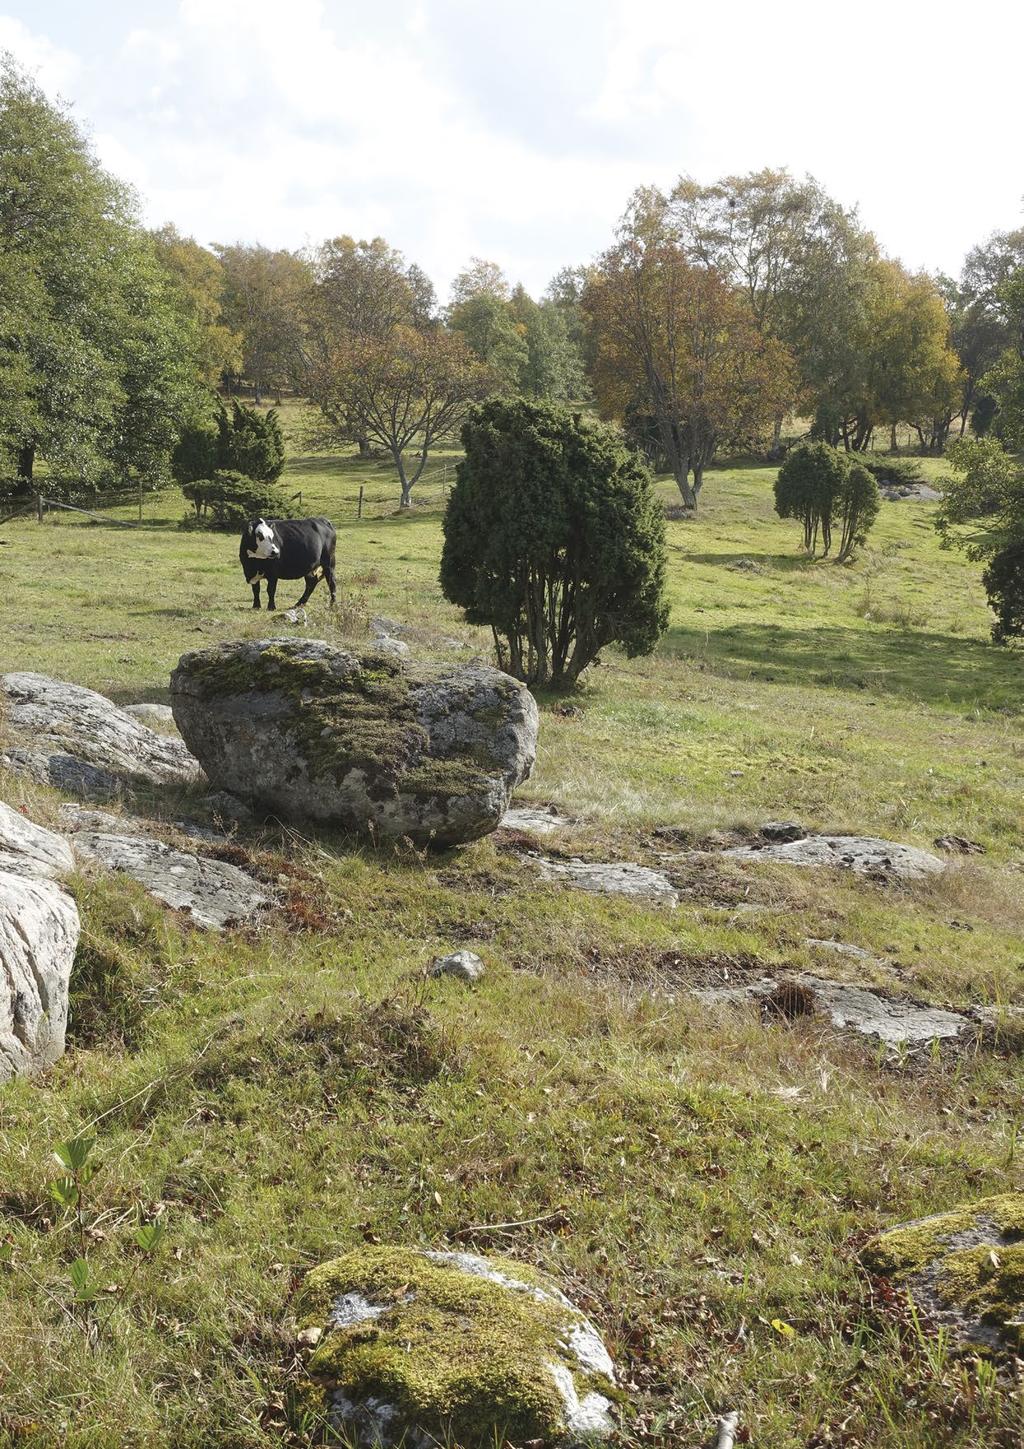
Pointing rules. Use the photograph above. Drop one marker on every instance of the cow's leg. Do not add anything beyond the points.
(271, 593)
(256, 594)
(311, 582)
(329, 576)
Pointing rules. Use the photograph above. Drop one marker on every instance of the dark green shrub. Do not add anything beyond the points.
(553, 537)
(250, 442)
(808, 488)
(246, 441)
(896, 472)
(195, 455)
(856, 509)
(983, 415)
(228, 499)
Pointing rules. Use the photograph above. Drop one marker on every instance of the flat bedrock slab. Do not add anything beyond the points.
(852, 1008)
(214, 893)
(303, 730)
(77, 740)
(537, 819)
(610, 879)
(864, 854)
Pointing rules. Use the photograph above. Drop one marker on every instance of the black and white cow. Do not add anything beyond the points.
(287, 548)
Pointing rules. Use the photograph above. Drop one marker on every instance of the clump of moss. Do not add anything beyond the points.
(969, 1262)
(458, 1355)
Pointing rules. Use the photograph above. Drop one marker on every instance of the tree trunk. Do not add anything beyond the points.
(26, 462)
(776, 450)
(405, 500)
(687, 494)
(894, 446)
(364, 447)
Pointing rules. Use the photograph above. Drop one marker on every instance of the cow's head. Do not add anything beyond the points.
(260, 541)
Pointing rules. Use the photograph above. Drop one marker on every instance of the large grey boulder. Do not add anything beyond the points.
(419, 1348)
(213, 893)
(39, 929)
(73, 738)
(309, 732)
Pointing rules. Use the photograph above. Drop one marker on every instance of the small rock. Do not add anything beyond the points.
(309, 1337)
(150, 714)
(79, 817)
(782, 830)
(294, 616)
(466, 965)
(396, 648)
(223, 804)
(959, 845)
(462, 1345)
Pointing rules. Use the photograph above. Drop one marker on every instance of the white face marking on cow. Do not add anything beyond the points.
(263, 541)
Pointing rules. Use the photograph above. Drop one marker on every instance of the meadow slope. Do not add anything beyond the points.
(699, 1179)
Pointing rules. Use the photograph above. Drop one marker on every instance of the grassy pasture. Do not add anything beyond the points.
(699, 1180)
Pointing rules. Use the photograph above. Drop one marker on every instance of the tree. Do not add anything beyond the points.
(405, 392)
(679, 342)
(1005, 379)
(263, 299)
(808, 488)
(199, 279)
(491, 329)
(982, 512)
(98, 362)
(553, 538)
(856, 510)
(359, 290)
(480, 279)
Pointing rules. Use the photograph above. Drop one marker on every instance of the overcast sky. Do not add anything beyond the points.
(516, 131)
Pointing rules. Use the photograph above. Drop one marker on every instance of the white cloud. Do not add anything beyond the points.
(518, 132)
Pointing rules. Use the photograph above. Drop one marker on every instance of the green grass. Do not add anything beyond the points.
(282, 1097)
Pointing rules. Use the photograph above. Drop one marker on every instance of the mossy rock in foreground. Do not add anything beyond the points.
(418, 1348)
(307, 732)
(965, 1268)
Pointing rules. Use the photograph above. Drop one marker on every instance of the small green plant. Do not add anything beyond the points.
(69, 1193)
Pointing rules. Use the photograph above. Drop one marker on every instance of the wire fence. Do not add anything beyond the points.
(343, 501)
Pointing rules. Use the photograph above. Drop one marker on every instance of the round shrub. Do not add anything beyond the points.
(808, 488)
(1004, 584)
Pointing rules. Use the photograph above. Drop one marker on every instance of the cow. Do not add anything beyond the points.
(287, 548)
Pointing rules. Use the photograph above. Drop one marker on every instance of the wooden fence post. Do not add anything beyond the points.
(360, 513)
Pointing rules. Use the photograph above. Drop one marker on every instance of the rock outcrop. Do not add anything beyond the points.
(39, 929)
(863, 854)
(611, 878)
(73, 738)
(213, 893)
(964, 1268)
(421, 1348)
(308, 732)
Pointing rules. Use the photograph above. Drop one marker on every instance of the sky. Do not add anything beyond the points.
(517, 131)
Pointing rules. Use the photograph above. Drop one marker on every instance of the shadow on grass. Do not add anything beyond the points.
(911, 664)
(786, 562)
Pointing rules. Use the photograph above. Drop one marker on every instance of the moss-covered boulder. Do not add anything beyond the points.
(308, 732)
(419, 1348)
(965, 1268)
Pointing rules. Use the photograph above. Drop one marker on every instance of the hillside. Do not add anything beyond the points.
(698, 1175)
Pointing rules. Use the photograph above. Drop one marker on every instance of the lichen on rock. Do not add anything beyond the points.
(441, 1346)
(306, 731)
(965, 1268)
